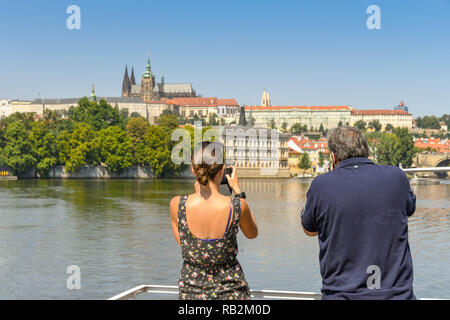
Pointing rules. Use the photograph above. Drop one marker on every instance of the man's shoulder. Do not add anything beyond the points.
(393, 171)
(333, 175)
(323, 178)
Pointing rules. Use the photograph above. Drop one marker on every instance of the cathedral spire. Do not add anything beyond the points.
(132, 80)
(126, 85)
(93, 95)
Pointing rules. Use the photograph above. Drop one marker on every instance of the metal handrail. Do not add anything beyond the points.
(430, 169)
(266, 294)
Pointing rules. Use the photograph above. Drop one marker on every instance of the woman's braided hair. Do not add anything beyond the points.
(207, 161)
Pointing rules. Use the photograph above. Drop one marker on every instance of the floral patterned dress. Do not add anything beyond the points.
(210, 267)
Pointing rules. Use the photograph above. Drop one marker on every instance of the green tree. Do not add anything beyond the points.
(43, 148)
(428, 122)
(386, 149)
(157, 153)
(375, 124)
(297, 128)
(321, 129)
(446, 119)
(113, 149)
(340, 124)
(360, 124)
(271, 124)
(304, 162)
(284, 126)
(63, 147)
(212, 120)
(405, 151)
(17, 153)
(136, 130)
(78, 147)
(124, 113)
(98, 114)
(392, 148)
(389, 127)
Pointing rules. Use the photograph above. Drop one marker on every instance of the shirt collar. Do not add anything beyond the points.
(354, 161)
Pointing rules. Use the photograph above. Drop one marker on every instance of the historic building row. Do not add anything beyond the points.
(326, 117)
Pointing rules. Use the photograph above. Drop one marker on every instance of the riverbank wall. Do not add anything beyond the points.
(93, 172)
(101, 172)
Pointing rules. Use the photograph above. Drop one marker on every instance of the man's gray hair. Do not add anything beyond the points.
(348, 142)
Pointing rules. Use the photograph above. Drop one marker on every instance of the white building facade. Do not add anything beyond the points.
(311, 116)
(5, 108)
(397, 118)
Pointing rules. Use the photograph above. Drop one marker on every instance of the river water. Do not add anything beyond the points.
(118, 232)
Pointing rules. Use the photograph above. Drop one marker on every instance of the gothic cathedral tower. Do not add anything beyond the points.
(147, 83)
(126, 85)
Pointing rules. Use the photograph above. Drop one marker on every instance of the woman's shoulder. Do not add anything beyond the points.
(174, 202)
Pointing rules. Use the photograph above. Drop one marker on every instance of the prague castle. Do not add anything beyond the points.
(150, 90)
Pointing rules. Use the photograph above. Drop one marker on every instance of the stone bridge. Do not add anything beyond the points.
(433, 159)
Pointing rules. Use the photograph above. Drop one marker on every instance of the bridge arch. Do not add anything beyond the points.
(442, 162)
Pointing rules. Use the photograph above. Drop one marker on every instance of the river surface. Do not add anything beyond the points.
(118, 232)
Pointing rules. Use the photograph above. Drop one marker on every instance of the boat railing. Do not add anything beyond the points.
(262, 294)
(430, 169)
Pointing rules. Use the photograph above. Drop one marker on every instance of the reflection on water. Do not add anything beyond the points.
(119, 233)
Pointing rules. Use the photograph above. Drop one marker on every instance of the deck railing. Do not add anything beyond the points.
(263, 294)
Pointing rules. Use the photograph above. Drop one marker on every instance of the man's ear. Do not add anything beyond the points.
(335, 161)
(333, 158)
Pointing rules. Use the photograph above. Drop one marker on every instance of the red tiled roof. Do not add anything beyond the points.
(379, 112)
(227, 102)
(316, 108)
(433, 143)
(308, 144)
(203, 102)
(163, 100)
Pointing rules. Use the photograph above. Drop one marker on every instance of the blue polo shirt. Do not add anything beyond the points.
(360, 211)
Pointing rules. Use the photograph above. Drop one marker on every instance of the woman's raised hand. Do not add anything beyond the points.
(233, 181)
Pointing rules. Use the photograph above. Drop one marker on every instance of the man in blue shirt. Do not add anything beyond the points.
(359, 210)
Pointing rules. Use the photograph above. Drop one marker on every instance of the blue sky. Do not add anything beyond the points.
(304, 52)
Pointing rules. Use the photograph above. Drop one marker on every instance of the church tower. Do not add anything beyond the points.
(242, 120)
(162, 85)
(126, 85)
(93, 96)
(147, 83)
(132, 80)
(265, 99)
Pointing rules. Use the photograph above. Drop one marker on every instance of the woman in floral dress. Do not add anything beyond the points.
(205, 224)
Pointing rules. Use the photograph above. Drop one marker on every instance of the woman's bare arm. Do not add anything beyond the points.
(248, 223)
(174, 217)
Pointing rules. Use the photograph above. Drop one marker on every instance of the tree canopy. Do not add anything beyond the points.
(91, 133)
